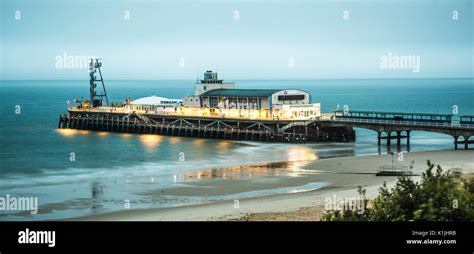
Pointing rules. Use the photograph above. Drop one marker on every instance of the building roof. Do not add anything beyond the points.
(241, 92)
(153, 100)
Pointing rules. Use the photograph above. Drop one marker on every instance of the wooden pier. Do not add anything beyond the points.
(217, 128)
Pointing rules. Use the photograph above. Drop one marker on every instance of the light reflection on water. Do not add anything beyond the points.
(297, 157)
(71, 132)
(126, 135)
(102, 133)
(198, 141)
(150, 141)
(301, 153)
(291, 165)
(174, 140)
(223, 145)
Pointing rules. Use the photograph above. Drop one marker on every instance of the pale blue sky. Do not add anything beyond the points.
(256, 46)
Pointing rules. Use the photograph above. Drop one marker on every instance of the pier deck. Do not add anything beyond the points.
(313, 130)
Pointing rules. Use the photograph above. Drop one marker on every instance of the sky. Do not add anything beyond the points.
(46, 39)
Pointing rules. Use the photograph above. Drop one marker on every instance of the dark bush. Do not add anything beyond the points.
(439, 196)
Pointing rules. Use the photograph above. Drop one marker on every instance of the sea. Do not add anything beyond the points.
(81, 173)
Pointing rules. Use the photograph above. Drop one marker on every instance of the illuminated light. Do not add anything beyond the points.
(83, 132)
(150, 140)
(175, 178)
(102, 133)
(152, 179)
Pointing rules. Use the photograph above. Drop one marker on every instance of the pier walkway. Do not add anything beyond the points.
(397, 126)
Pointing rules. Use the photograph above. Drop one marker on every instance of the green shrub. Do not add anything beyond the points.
(439, 196)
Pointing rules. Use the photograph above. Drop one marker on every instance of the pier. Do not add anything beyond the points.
(286, 131)
(216, 110)
(219, 110)
(398, 125)
(390, 127)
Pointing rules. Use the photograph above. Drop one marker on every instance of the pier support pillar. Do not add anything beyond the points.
(379, 137)
(408, 138)
(389, 138)
(466, 143)
(455, 142)
(60, 121)
(399, 134)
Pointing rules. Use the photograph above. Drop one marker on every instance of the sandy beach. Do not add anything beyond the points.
(341, 176)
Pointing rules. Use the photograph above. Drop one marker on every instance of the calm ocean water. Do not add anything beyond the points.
(110, 168)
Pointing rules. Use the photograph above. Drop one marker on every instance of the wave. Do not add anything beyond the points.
(161, 172)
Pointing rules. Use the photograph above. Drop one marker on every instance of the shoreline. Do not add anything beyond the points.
(343, 173)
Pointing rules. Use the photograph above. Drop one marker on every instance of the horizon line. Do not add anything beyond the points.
(1, 80)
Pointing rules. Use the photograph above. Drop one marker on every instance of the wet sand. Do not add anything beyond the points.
(343, 176)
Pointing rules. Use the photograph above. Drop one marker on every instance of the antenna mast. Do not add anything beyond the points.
(96, 99)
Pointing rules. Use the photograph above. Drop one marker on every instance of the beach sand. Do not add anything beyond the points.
(343, 176)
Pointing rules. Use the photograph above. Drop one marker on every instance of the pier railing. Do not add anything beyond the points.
(405, 123)
(107, 109)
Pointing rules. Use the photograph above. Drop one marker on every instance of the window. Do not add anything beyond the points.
(291, 97)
